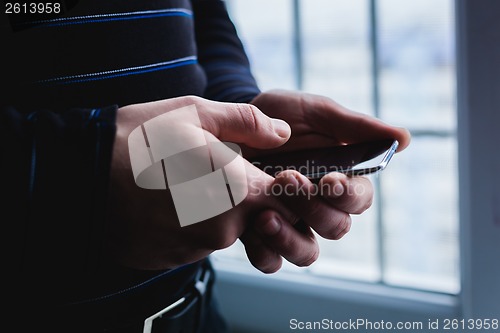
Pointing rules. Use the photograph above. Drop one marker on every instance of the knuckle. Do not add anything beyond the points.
(340, 223)
(362, 199)
(249, 115)
(309, 260)
(192, 99)
(292, 218)
(271, 268)
(356, 207)
(367, 204)
(266, 264)
(343, 227)
(315, 208)
(284, 177)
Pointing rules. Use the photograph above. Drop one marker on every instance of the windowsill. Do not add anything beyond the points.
(265, 303)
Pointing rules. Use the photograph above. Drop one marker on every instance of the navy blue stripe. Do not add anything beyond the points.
(114, 75)
(106, 18)
(110, 19)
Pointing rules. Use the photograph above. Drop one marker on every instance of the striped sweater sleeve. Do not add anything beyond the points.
(221, 54)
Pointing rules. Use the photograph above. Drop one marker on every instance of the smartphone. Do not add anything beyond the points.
(353, 159)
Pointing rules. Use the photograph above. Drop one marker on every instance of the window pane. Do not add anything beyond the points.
(409, 237)
(268, 40)
(416, 61)
(336, 51)
(355, 256)
(417, 90)
(420, 198)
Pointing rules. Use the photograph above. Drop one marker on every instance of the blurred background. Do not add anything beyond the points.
(427, 248)
(395, 60)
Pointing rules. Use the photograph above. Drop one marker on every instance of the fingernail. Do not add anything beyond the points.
(338, 188)
(334, 191)
(271, 227)
(281, 128)
(287, 184)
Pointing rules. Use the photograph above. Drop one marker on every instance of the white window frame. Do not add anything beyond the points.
(254, 302)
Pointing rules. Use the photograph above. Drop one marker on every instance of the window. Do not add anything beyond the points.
(394, 60)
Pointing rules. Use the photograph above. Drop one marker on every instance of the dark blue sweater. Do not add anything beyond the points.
(66, 76)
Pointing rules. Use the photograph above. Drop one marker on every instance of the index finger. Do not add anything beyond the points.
(331, 118)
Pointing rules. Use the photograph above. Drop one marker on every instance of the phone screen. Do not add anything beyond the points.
(353, 159)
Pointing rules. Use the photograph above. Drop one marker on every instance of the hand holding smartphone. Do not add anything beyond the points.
(354, 159)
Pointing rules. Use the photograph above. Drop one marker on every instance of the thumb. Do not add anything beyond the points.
(245, 123)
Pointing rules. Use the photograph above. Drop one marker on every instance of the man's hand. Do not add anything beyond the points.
(143, 228)
(316, 121)
(326, 208)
